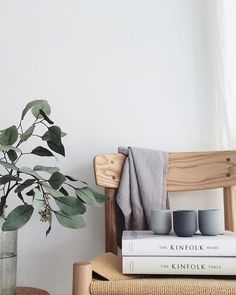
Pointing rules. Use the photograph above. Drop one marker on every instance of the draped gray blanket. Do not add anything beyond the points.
(143, 186)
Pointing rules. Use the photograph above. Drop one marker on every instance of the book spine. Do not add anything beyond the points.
(183, 247)
(179, 265)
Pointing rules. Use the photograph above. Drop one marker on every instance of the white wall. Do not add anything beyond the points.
(127, 72)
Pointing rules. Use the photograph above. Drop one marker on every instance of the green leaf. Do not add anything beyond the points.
(44, 106)
(53, 138)
(7, 178)
(12, 155)
(74, 179)
(74, 221)
(70, 205)
(63, 134)
(9, 136)
(18, 217)
(53, 192)
(38, 201)
(32, 104)
(42, 152)
(29, 171)
(26, 135)
(30, 193)
(49, 229)
(89, 196)
(63, 191)
(58, 148)
(53, 134)
(56, 180)
(24, 185)
(21, 197)
(50, 225)
(86, 195)
(45, 117)
(70, 178)
(48, 169)
(8, 165)
(9, 147)
(100, 198)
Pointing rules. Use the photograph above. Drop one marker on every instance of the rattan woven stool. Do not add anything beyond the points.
(30, 291)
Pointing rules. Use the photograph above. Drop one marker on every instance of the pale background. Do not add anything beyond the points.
(127, 72)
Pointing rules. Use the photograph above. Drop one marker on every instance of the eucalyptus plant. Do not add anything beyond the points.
(40, 188)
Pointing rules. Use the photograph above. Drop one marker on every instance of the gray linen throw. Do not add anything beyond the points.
(143, 186)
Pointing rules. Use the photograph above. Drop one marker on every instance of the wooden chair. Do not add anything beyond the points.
(190, 171)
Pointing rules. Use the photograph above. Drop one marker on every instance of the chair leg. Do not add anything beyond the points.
(82, 278)
(230, 207)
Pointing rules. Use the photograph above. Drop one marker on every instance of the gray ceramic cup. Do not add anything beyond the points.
(209, 222)
(196, 218)
(185, 223)
(161, 221)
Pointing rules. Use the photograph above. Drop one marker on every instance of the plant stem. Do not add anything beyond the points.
(10, 189)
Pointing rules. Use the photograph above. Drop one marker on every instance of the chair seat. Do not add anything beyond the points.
(113, 282)
(164, 286)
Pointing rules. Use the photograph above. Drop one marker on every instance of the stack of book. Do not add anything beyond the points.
(143, 252)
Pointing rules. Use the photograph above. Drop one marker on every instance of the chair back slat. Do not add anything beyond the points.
(108, 169)
(202, 170)
(186, 171)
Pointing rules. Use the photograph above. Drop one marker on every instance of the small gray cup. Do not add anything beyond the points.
(196, 218)
(161, 221)
(209, 222)
(185, 223)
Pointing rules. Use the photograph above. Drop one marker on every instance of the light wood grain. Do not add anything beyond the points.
(108, 169)
(82, 278)
(200, 171)
(186, 171)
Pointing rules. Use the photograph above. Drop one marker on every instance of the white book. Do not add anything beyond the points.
(179, 265)
(146, 243)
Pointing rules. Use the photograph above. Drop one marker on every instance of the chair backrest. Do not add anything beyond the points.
(186, 172)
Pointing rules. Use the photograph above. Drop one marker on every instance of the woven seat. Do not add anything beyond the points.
(186, 172)
(112, 282)
(166, 286)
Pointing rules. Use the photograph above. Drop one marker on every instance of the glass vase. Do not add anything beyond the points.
(8, 258)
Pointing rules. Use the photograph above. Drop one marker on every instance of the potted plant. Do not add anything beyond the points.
(40, 188)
